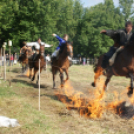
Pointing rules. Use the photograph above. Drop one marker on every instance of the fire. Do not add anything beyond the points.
(113, 106)
(93, 106)
(28, 72)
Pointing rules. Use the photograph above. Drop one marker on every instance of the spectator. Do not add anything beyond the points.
(48, 59)
(11, 59)
(15, 58)
(88, 61)
(84, 61)
(80, 60)
(7, 59)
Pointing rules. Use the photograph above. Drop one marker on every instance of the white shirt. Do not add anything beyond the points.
(36, 45)
(48, 58)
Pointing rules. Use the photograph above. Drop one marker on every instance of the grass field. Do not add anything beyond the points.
(19, 99)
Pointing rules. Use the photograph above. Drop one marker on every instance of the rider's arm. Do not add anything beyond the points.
(30, 44)
(60, 39)
(111, 32)
(45, 44)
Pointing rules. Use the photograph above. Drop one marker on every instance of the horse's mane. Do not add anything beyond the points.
(64, 45)
(116, 37)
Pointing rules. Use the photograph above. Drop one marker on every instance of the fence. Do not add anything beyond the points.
(87, 61)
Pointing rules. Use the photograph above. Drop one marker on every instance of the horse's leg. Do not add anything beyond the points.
(66, 71)
(22, 68)
(30, 73)
(54, 79)
(106, 82)
(130, 91)
(96, 76)
(61, 78)
(35, 71)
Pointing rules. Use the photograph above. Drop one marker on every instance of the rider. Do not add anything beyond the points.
(125, 36)
(37, 46)
(61, 42)
(22, 50)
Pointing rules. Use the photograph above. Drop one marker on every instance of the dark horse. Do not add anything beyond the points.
(123, 66)
(62, 63)
(34, 64)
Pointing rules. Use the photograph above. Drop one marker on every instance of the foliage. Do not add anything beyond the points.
(26, 20)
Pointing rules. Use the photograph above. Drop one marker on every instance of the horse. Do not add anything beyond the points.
(123, 66)
(35, 64)
(98, 70)
(23, 58)
(27, 58)
(62, 63)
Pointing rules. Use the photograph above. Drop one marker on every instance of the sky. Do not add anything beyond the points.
(89, 3)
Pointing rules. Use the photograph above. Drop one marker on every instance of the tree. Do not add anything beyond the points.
(126, 7)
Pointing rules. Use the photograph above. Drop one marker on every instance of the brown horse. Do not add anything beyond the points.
(28, 59)
(25, 53)
(62, 63)
(35, 64)
(123, 66)
(98, 70)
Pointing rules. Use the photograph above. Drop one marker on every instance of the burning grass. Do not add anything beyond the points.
(27, 73)
(20, 101)
(94, 106)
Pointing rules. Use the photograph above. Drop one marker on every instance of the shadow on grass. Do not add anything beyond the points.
(53, 97)
(28, 83)
(16, 70)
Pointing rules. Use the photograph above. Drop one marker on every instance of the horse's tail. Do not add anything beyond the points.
(98, 64)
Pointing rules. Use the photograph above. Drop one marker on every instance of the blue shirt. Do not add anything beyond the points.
(61, 42)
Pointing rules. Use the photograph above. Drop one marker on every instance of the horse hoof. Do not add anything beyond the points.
(32, 79)
(65, 81)
(130, 93)
(93, 84)
(62, 85)
(37, 82)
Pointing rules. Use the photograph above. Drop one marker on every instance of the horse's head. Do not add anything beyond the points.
(23, 55)
(69, 49)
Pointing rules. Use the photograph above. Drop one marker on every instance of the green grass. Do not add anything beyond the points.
(17, 106)
(20, 101)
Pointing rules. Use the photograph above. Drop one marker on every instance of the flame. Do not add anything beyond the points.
(28, 72)
(92, 107)
(113, 105)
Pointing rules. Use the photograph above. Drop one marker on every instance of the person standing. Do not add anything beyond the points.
(7, 59)
(84, 61)
(15, 58)
(11, 59)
